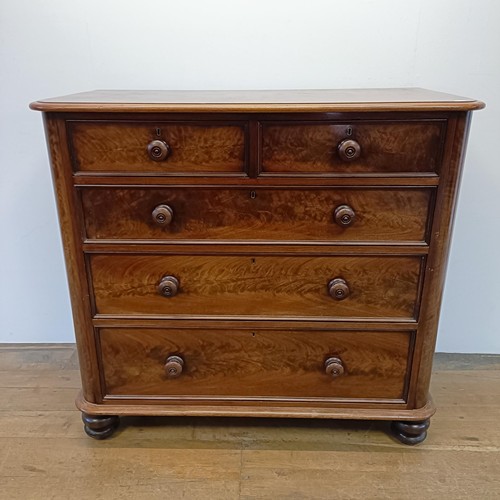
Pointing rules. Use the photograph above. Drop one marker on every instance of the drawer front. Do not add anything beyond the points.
(276, 286)
(192, 147)
(262, 214)
(243, 364)
(317, 147)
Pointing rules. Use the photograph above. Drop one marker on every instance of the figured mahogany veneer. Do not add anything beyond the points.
(191, 147)
(380, 287)
(268, 253)
(391, 215)
(318, 147)
(246, 364)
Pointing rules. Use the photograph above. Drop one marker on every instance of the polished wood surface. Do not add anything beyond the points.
(399, 99)
(217, 213)
(239, 364)
(380, 287)
(324, 213)
(44, 453)
(123, 146)
(313, 147)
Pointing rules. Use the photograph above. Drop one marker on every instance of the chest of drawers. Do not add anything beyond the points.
(274, 254)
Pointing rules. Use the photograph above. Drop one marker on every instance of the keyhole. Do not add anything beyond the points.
(158, 132)
(349, 131)
(253, 195)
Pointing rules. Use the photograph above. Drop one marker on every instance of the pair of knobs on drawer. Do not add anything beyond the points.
(348, 150)
(344, 215)
(337, 288)
(175, 364)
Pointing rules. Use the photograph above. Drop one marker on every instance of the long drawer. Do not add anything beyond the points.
(240, 363)
(172, 147)
(367, 146)
(305, 214)
(278, 286)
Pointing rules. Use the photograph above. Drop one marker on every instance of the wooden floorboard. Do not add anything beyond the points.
(44, 453)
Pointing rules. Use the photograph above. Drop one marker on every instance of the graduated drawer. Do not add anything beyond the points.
(273, 286)
(192, 147)
(375, 147)
(245, 364)
(305, 214)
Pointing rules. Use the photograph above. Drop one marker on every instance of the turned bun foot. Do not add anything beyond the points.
(410, 432)
(100, 426)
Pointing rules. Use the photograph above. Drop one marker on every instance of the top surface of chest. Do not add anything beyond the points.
(331, 100)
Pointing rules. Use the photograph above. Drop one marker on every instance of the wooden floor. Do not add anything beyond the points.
(44, 453)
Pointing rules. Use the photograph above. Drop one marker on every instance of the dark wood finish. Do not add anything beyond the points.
(162, 215)
(218, 263)
(344, 215)
(173, 366)
(349, 149)
(334, 367)
(168, 286)
(218, 213)
(86, 179)
(410, 432)
(193, 147)
(158, 150)
(380, 287)
(338, 289)
(384, 146)
(71, 223)
(99, 426)
(436, 264)
(242, 364)
(274, 101)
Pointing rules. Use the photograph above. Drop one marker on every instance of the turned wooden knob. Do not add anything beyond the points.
(163, 215)
(158, 150)
(338, 289)
(334, 367)
(349, 150)
(344, 215)
(173, 366)
(168, 286)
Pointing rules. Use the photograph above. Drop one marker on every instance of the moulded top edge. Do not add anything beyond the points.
(397, 99)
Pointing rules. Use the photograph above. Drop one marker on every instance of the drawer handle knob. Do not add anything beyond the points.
(338, 289)
(158, 150)
(349, 150)
(168, 286)
(344, 215)
(334, 367)
(163, 215)
(173, 366)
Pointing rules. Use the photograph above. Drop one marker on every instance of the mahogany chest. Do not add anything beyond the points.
(267, 253)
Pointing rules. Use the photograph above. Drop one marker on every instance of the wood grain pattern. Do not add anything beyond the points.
(268, 214)
(435, 271)
(70, 225)
(251, 178)
(279, 101)
(240, 363)
(393, 146)
(264, 285)
(201, 147)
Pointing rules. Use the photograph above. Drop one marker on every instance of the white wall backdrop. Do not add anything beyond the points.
(58, 47)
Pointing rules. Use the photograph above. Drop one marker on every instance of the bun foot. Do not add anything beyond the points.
(100, 426)
(410, 432)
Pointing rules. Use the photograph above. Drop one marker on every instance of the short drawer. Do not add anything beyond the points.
(172, 214)
(275, 286)
(357, 147)
(158, 147)
(243, 364)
